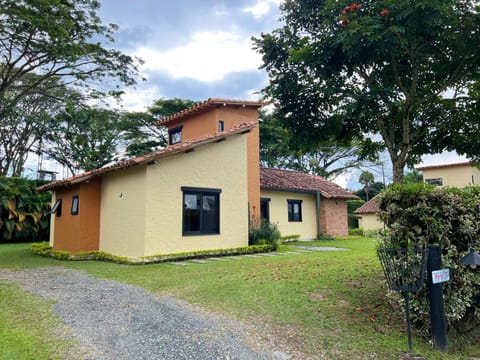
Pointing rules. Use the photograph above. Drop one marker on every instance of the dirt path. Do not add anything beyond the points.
(112, 320)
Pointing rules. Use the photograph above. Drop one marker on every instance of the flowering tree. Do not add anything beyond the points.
(396, 75)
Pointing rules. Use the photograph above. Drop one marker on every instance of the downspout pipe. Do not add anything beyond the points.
(318, 201)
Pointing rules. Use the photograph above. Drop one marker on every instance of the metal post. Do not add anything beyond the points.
(435, 297)
(409, 324)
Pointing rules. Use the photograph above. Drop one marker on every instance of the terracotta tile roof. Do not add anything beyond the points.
(274, 179)
(207, 105)
(370, 207)
(185, 146)
(439, 166)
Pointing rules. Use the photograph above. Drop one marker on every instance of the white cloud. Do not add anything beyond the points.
(342, 179)
(138, 99)
(449, 157)
(262, 7)
(208, 56)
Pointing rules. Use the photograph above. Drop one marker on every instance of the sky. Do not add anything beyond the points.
(198, 49)
(192, 49)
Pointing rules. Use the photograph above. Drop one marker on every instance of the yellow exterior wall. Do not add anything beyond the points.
(221, 165)
(122, 212)
(369, 222)
(455, 175)
(307, 228)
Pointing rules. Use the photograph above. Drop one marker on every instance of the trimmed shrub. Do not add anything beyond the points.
(263, 232)
(24, 212)
(44, 249)
(288, 238)
(356, 232)
(419, 215)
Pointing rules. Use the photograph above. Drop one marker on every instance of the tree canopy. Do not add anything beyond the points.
(84, 138)
(280, 149)
(396, 75)
(58, 38)
(51, 51)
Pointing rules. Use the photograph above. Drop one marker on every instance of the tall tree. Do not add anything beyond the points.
(57, 38)
(395, 70)
(279, 149)
(84, 138)
(26, 124)
(367, 179)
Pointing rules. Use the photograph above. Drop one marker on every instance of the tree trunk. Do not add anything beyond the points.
(398, 167)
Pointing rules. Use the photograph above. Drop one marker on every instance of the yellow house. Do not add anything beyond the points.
(199, 193)
(193, 195)
(457, 175)
(303, 204)
(367, 216)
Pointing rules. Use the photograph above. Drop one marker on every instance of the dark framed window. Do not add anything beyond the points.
(221, 125)
(75, 205)
(436, 181)
(57, 208)
(201, 211)
(175, 135)
(265, 209)
(294, 210)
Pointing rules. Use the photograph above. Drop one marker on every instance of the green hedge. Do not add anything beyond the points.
(45, 249)
(419, 215)
(24, 212)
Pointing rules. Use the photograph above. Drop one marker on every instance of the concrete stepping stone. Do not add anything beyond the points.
(179, 263)
(198, 261)
(218, 259)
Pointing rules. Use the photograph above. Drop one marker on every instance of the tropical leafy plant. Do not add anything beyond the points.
(24, 213)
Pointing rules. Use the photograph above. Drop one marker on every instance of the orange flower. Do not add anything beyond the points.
(351, 8)
(384, 12)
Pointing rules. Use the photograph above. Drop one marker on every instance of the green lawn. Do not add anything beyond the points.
(321, 301)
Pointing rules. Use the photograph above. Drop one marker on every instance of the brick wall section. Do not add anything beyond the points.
(333, 217)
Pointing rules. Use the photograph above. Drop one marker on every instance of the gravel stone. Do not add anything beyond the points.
(118, 321)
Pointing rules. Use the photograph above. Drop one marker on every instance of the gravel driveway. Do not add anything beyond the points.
(112, 320)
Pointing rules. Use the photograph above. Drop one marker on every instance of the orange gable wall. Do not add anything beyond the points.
(80, 232)
(207, 123)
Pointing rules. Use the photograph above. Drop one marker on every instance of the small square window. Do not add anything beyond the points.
(294, 210)
(57, 208)
(175, 135)
(436, 181)
(75, 205)
(221, 125)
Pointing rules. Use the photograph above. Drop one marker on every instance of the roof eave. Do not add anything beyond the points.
(146, 159)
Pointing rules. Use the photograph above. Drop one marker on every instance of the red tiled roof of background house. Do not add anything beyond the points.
(288, 180)
(207, 105)
(185, 146)
(370, 207)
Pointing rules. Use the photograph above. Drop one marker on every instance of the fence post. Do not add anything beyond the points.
(435, 297)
